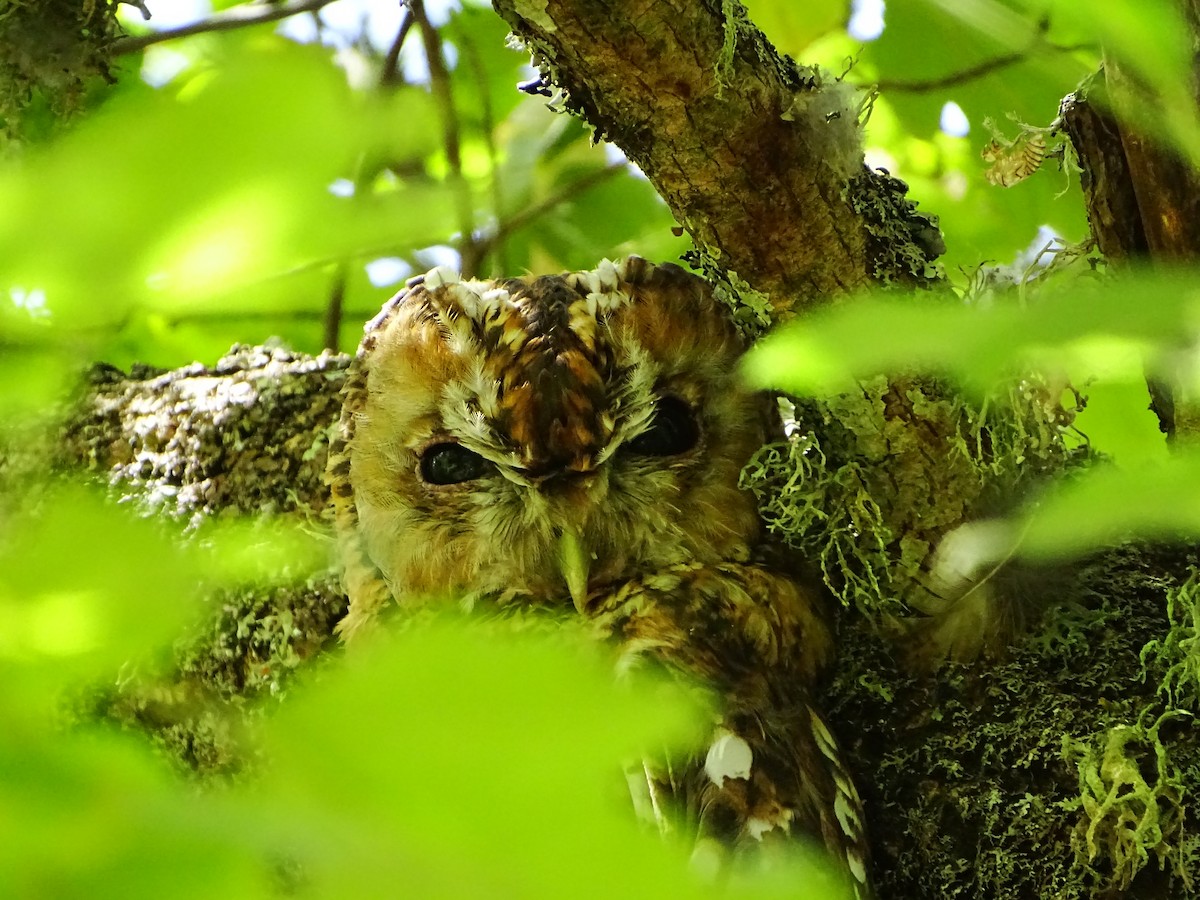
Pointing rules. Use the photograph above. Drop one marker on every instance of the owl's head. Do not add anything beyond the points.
(542, 437)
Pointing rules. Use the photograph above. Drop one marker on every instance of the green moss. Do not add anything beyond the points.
(53, 53)
(198, 706)
(970, 793)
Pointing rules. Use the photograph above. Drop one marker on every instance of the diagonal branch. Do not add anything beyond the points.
(237, 17)
(758, 158)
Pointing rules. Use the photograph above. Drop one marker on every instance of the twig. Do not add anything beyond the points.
(474, 252)
(332, 320)
(482, 246)
(986, 67)
(237, 17)
(439, 84)
(389, 75)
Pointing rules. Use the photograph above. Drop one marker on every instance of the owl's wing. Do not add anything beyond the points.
(771, 778)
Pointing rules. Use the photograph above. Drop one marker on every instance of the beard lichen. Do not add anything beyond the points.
(1177, 653)
(1130, 803)
(868, 483)
(826, 513)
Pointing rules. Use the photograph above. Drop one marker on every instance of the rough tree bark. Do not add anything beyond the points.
(986, 779)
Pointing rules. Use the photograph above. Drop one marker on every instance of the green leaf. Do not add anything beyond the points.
(92, 814)
(477, 764)
(1118, 421)
(85, 586)
(1082, 328)
(214, 188)
(1112, 504)
(792, 26)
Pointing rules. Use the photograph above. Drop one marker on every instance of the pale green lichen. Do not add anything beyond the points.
(535, 11)
(869, 482)
(1178, 651)
(733, 16)
(1130, 803)
(749, 309)
(903, 243)
(826, 512)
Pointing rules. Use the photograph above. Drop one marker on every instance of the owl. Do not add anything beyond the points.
(575, 442)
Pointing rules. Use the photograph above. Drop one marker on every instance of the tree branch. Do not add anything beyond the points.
(484, 245)
(754, 155)
(237, 17)
(389, 73)
(971, 73)
(440, 85)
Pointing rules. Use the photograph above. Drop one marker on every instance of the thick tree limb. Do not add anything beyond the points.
(758, 158)
(1143, 201)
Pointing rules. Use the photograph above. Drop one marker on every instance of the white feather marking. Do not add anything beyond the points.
(440, 275)
(756, 827)
(607, 301)
(857, 867)
(607, 272)
(466, 298)
(847, 815)
(495, 298)
(728, 757)
(824, 739)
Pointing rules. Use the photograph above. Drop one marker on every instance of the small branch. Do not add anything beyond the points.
(482, 246)
(987, 67)
(389, 75)
(439, 84)
(237, 17)
(332, 320)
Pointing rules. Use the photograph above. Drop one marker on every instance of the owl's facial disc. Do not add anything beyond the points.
(551, 436)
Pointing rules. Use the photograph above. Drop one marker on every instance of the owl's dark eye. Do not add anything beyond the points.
(451, 463)
(673, 430)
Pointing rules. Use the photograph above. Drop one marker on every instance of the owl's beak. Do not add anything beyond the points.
(573, 563)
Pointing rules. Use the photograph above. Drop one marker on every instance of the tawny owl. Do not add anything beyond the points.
(576, 441)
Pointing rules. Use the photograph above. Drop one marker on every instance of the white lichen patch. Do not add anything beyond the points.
(535, 12)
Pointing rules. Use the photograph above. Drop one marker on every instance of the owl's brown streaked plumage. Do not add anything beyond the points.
(578, 439)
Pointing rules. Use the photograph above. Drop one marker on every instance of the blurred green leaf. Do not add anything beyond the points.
(260, 550)
(92, 814)
(1081, 328)
(475, 764)
(1112, 504)
(1030, 90)
(469, 762)
(85, 585)
(792, 26)
(1118, 421)
(32, 381)
(214, 188)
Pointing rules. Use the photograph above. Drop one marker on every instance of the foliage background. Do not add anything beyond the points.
(161, 200)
